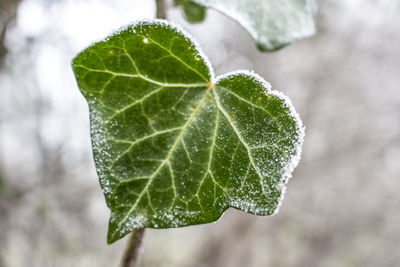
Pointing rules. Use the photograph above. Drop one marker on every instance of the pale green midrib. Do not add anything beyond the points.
(177, 58)
(273, 145)
(136, 178)
(129, 56)
(172, 179)
(274, 118)
(210, 158)
(238, 134)
(129, 75)
(172, 150)
(107, 83)
(145, 137)
(245, 176)
(138, 141)
(134, 103)
(186, 151)
(247, 101)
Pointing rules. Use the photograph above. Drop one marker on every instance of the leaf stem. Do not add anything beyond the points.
(131, 255)
(161, 9)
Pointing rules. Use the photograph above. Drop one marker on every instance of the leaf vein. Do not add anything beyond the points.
(172, 150)
(143, 77)
(178, 58)
(238, 134)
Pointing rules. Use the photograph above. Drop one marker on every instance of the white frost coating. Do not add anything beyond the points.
(250, 73)
(163, 22)
(296, 158)
(100, 144)
(287, 173)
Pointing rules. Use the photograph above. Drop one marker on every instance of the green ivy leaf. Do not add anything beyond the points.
(273, 24)
(173, 145)
(194, 12)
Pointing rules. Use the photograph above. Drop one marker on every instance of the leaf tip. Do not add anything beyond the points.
(113, 236)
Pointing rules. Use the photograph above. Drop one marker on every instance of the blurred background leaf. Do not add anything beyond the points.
(194, 12)
(272, 24)
(8, 11)
(2, 184)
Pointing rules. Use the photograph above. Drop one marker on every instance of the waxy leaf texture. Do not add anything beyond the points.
(175, 146)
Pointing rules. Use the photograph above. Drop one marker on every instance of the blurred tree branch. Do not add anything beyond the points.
(162, 6)
(8, 13)
(131, 256)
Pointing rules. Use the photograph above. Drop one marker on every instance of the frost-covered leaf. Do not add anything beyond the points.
(194, 12)
(173, 145)
(272, 23)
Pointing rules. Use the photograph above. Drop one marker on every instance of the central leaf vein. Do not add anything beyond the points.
(239, 135)
(143, 77)
(166, 161)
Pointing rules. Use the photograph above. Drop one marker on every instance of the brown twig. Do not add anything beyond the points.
(161, 9)
(131, 255)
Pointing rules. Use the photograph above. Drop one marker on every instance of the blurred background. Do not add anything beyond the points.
(342, 207)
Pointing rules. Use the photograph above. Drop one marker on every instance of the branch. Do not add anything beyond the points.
(161, 9)
(131, 255)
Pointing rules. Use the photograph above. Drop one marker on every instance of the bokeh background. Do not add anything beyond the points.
(342, 207)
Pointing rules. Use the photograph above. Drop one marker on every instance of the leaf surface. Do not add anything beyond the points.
(173, 145)
(273, 24)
